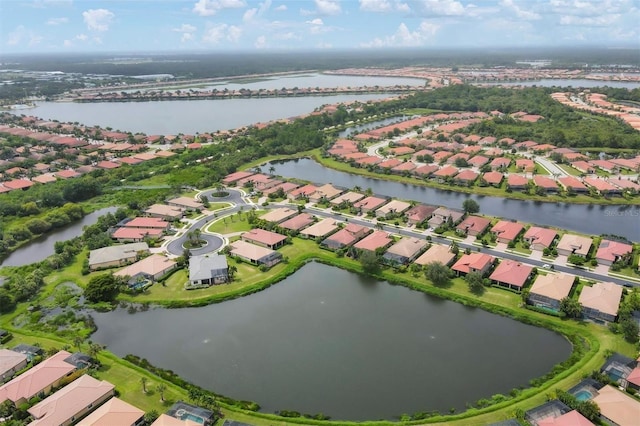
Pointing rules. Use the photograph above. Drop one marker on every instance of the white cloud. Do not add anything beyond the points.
(439, 8)
(67, 43)
(222, 32)
(588, 21)
(71, 42)
(328, 7)
(403, 37)
(187, 32)
(527, 15)
(22, 35)
(261, 42)
(375, 5)
(58, 21)
(281, 8)
(98, 19)
(316, 21)
(322, 45)
(211, 7)
(256, 12)
(82, 37)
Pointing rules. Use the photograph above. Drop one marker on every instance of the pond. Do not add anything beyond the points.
(331, 341)
(43, 247)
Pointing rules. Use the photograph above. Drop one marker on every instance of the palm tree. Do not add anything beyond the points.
(144, 381)
(77, 342)
(271, 170)
(94, 349)
(232, 272)
(160, 388)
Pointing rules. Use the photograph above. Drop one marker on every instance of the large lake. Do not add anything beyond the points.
(327, 340)
(187, 117)
(585, 218)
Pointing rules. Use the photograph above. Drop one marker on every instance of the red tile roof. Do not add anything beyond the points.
(512, 273)
(612, 250)
(474, 224)
(507, 230)
(265, 237)
(373, 241)
(298, 222)
(538, 235)
(147, 222)
(467, 175)
(517, 180)
(545, 182)
(493, 178)
(472, 262)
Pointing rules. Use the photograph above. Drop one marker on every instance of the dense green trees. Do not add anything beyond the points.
(470, 206)
(369, 262)
(437, 273)
(571, 307)
(102, 288)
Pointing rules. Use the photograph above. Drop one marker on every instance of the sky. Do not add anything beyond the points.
(30, 26)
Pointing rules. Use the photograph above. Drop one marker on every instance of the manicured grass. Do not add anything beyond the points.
(229, 224)
(570, 170)
(217, 206)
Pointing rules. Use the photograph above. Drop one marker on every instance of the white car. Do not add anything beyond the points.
(546, 266)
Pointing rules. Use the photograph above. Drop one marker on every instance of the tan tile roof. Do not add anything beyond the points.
(618, 406)
(113, 412)
(604, 297)
(436, 253)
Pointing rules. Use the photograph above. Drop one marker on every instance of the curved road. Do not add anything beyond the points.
(213, 242)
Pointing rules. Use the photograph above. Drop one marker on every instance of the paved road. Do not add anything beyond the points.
(236, 197)
(213, 242)
(492, 251)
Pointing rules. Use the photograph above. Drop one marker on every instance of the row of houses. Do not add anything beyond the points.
(69, 396)
(600, 301)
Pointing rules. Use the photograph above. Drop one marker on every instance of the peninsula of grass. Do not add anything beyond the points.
(477, 190)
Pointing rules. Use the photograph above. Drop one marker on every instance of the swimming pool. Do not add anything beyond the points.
(583, 395)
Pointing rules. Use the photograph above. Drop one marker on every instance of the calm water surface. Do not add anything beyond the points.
(187, 117)
(586, 218)
(327, 340)
(43, 247)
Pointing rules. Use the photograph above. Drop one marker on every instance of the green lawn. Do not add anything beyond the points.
(229, 224)
(569, 170)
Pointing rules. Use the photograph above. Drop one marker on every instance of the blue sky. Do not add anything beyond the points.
(232, 25)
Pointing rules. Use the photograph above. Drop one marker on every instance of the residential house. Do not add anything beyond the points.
(517, 182)
(633, 379)
(601, 301)
(404, 251)
(232, 178)
(182, 410)
(466, 177)
(445, 172)
(506, 231)
(571, 183)
(254, 254)
(298, 222)
(473, 262)
(279, 215)
(165, 212)
(511, 274)
(602, 186)
(539, 238)
(208, 269)
(151, 268)
(525, 165)
(426, 170)
(436, 253)
(72, 402)
(370, 203)
(264, 238)
(136, 235)
(500, 162)
(393, 208)
(29, 350)
(347, 198)
(548, 290)
(302, 192)
(473, 225)
(114, 412)
(10, 363)
(548, 184)
(493, 178)
(374, 241)
(345, 237)
(610, 251)
(572, 418)
(325, 192)
(442, 215)
(574, 244)
(120, 255)
(616, 407)
(320, 229)
(40, 379)
(419, 213)
(147, 223)
(186, 203)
